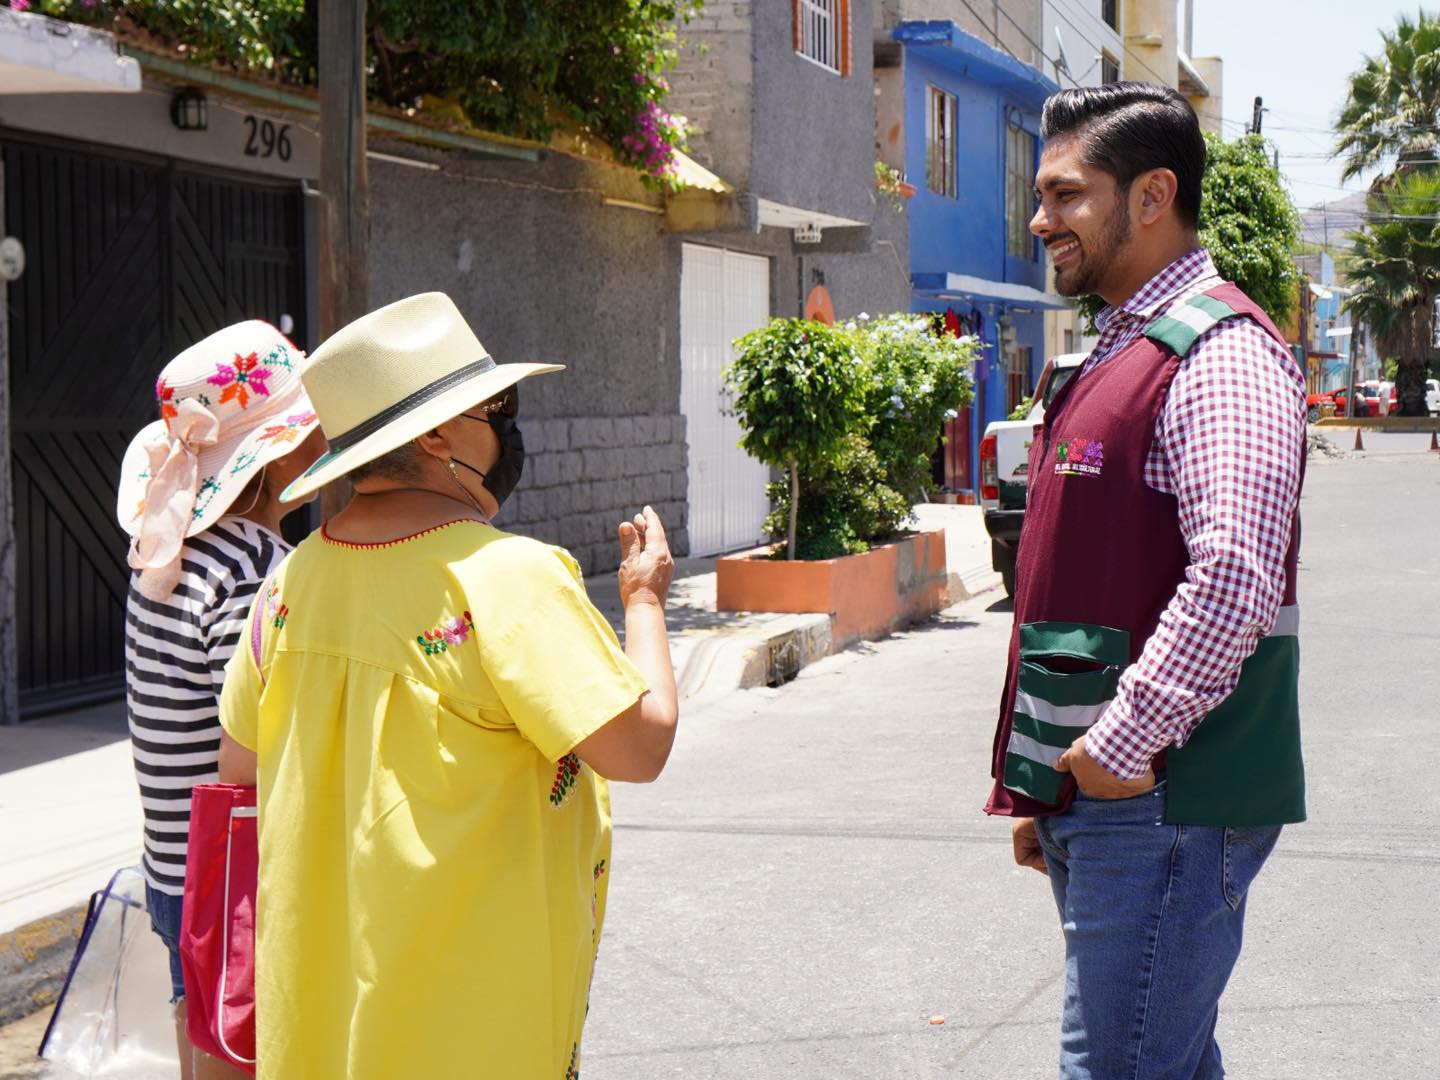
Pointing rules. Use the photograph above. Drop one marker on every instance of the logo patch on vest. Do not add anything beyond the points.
(1079, 457)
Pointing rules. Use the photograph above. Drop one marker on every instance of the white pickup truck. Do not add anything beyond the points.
(1005, 465)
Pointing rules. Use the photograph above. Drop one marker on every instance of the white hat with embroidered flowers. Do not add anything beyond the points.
(229, 405)
(394, 374)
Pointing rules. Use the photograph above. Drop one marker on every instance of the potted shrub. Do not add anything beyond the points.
(798, 389)
(853, 422)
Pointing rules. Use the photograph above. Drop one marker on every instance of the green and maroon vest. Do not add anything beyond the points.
(1101, 556)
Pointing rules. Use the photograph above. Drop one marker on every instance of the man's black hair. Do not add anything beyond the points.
(1131, 127)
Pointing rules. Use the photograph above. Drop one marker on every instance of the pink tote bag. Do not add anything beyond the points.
(217, 927)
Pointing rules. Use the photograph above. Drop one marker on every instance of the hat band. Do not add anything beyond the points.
(407, 404)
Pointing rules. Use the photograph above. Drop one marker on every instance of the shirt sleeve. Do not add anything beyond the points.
(554, 661)
(1231, 436)
(226, 620)
(240, 696)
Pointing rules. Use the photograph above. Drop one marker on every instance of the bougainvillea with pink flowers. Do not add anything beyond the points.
(509, 66)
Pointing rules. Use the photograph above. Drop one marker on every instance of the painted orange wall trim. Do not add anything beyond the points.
(868, 595)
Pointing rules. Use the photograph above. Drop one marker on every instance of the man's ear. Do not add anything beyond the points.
(1157, 194)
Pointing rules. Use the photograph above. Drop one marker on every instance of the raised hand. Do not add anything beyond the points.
(646, 565)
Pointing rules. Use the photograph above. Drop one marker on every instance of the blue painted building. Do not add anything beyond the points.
(961, 120)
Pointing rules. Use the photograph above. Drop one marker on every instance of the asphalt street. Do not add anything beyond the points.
(811, 881)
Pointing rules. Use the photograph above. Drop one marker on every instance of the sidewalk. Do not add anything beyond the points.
(69, 814)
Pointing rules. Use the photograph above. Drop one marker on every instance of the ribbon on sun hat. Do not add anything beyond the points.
(174, 455)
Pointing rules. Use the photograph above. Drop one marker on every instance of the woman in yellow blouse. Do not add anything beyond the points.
(430, 707)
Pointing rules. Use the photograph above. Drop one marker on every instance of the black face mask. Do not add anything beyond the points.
(504, 475)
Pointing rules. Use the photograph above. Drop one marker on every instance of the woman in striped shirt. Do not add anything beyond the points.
(200, 497)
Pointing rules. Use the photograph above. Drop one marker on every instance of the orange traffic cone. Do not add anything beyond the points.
(1359, 442)
(1435, 442)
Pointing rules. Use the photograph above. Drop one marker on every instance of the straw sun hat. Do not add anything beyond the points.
(229, 405)
(394, 374)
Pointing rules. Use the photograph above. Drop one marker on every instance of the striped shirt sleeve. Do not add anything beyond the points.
(241, 570)
(1230, 442)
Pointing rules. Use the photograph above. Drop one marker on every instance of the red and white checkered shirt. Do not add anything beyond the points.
(1228, 445)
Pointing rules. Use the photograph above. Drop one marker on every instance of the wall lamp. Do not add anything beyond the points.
(187, 110)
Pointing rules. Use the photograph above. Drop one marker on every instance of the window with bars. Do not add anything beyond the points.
(822, 33)
(1019, 191)
(940, 141)
(1110, 12)
(1109, 69)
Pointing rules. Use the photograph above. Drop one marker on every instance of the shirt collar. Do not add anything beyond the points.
(1161, 289)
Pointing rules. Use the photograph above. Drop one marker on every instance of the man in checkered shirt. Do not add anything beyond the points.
(1148, 746)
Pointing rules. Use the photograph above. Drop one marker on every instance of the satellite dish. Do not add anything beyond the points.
(1063, 63)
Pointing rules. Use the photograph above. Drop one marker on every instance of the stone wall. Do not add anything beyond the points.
(586, 474)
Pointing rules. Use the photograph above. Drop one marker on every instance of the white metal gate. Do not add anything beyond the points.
(722, 296)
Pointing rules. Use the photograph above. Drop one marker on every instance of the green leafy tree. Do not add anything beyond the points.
(798, 389)
(1393, 272)
(844, 504)
(1393, 102)
(1248, 224)
(518, 67)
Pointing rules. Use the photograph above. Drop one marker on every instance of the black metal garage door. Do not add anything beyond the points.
(129, 260)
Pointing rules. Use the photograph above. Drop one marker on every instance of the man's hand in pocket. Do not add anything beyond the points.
(1097, 781)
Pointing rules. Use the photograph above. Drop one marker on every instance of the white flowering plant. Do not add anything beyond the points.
(919, 378)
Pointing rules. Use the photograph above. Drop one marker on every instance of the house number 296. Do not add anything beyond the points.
(266, 139)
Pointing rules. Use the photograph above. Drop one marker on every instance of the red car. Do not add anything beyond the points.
(1368, 398)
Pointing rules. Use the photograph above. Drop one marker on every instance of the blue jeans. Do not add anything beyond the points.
(1153, 916)
(165, 921)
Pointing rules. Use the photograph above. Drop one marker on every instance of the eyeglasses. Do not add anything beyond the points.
(507, 404)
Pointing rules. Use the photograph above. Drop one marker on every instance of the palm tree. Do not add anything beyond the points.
(1393, 272)
(1393, 106)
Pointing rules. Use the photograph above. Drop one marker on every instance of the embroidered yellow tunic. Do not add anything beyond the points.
(432, 855)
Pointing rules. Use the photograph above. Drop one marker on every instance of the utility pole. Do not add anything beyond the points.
(345, 220)
(1255, 117)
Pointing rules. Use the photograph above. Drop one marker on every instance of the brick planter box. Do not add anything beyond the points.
(866, 596)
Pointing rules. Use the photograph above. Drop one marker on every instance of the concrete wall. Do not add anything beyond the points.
(1152, 41)
(712, 86)
(813, 144)
(1210, 109)
(1012, 26)
(544, 270)
(1085, 34)
(770, 122)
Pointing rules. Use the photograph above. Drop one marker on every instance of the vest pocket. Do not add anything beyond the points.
(1054, 707)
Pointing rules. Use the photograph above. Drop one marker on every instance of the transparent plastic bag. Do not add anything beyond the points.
(114, 1019)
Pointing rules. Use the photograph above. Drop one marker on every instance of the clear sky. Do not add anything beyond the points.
(1296, 54)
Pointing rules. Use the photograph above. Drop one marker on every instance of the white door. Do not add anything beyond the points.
(722, 296)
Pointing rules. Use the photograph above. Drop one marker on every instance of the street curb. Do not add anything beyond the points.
(724, 662)
(34, 959)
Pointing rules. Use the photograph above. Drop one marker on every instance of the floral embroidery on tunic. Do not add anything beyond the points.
(572, 1071)
(275, 611)
(450, 632)
(567, 772)
(240, 378)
